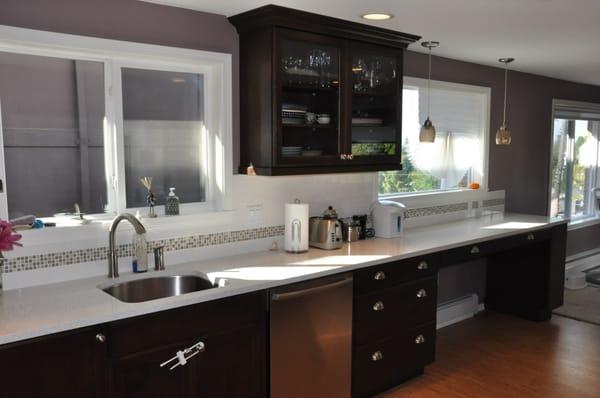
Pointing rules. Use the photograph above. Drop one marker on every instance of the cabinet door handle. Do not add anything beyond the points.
(475, 250)
(378, 306)
(350, 156)
(379, 276)
(100, 338)
(531, 237)
(343, 156)
(182, 357)
(423, 266)
(422, 293)
(420, 339)
(376, 356)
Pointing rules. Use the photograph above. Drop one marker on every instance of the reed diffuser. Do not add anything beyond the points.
(150, 198)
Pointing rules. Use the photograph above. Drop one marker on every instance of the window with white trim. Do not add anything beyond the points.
(81, 125)
(458, 157)
(575, 159)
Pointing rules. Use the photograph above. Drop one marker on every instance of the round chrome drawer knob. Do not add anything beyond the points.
(377, 356)
(100, 338)
(531, 237)
(422, 293)
(378, 306)
(379, 276)
(420, 339)
(475, 250)
(422, 266)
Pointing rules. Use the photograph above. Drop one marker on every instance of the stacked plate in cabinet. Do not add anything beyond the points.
(293, 114)
(287, 151)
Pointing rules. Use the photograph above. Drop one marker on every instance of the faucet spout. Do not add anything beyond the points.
(113, 259)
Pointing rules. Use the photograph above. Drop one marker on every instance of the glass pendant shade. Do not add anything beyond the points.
(427, 133)
(503, 136)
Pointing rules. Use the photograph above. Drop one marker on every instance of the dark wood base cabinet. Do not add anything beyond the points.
(71, 364)
(395, 304)
(122, 359)
(395, 307)
(232, 365)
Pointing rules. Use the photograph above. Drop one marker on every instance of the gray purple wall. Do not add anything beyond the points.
(521, 169)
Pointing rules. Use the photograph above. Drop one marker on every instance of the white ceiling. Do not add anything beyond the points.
(557, 38)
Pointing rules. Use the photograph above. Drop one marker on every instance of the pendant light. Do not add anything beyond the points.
(503, 136)
(427, 133)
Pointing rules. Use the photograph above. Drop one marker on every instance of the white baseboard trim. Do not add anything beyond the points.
(582, 262)
(458, 310)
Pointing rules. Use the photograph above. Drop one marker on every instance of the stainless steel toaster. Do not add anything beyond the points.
(325, 232)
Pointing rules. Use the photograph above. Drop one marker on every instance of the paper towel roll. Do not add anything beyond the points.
(296, 227)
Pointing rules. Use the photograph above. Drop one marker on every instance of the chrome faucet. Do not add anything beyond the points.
(113, 259)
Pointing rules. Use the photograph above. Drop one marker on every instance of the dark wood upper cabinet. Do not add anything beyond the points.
(318, 94)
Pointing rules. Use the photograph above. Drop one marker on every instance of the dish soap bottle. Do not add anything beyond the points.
(139, 261)
(172, 204)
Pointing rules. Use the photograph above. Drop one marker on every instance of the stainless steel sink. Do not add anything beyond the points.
(136, 291)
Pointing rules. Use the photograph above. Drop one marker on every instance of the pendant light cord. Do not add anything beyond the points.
(429, 86)
(505, 89)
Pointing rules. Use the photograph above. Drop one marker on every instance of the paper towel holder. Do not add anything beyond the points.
(296, 227)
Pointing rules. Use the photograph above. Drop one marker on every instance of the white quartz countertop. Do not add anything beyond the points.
(42, 310)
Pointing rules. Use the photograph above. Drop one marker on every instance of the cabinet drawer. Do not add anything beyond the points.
(512, 242)
(390, 274)
(185, 324)
(384, 364)
(390, 311)
(477, 250)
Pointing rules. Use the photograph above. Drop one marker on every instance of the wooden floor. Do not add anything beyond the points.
(493, 355)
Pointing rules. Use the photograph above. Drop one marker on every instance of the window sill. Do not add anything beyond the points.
(72, 235)
(453, 192)
(583, 223)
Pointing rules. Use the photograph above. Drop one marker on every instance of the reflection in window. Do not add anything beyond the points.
(164, 134)
(52, 114)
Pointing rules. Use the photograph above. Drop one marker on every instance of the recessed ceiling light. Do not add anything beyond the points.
(377, 16)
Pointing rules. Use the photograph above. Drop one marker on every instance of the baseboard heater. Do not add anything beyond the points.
(458, 310)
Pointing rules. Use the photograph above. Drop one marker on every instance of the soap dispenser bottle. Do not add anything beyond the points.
(139, 261)
(172, 204)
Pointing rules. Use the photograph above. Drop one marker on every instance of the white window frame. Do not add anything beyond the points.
(584, 220)
(416, 82)
(216, 69)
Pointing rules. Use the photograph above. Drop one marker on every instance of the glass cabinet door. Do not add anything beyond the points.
(309, 103)
(376, 97)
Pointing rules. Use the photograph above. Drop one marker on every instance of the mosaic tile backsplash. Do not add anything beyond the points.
(47, 260)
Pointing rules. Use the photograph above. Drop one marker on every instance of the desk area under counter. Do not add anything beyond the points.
(394, 306)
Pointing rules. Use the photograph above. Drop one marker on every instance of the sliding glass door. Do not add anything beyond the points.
(575, 160)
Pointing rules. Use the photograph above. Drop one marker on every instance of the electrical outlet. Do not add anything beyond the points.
(255, 214)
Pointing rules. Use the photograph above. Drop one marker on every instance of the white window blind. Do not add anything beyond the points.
(453, 110)
(574, 110)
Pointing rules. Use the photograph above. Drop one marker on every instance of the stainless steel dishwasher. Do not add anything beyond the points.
(311, 339)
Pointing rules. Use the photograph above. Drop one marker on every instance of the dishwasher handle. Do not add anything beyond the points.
(310, 290)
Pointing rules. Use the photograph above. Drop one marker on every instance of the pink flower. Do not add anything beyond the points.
(8, 238)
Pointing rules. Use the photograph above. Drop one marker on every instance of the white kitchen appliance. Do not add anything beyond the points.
(388, 218)
(296, 227)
